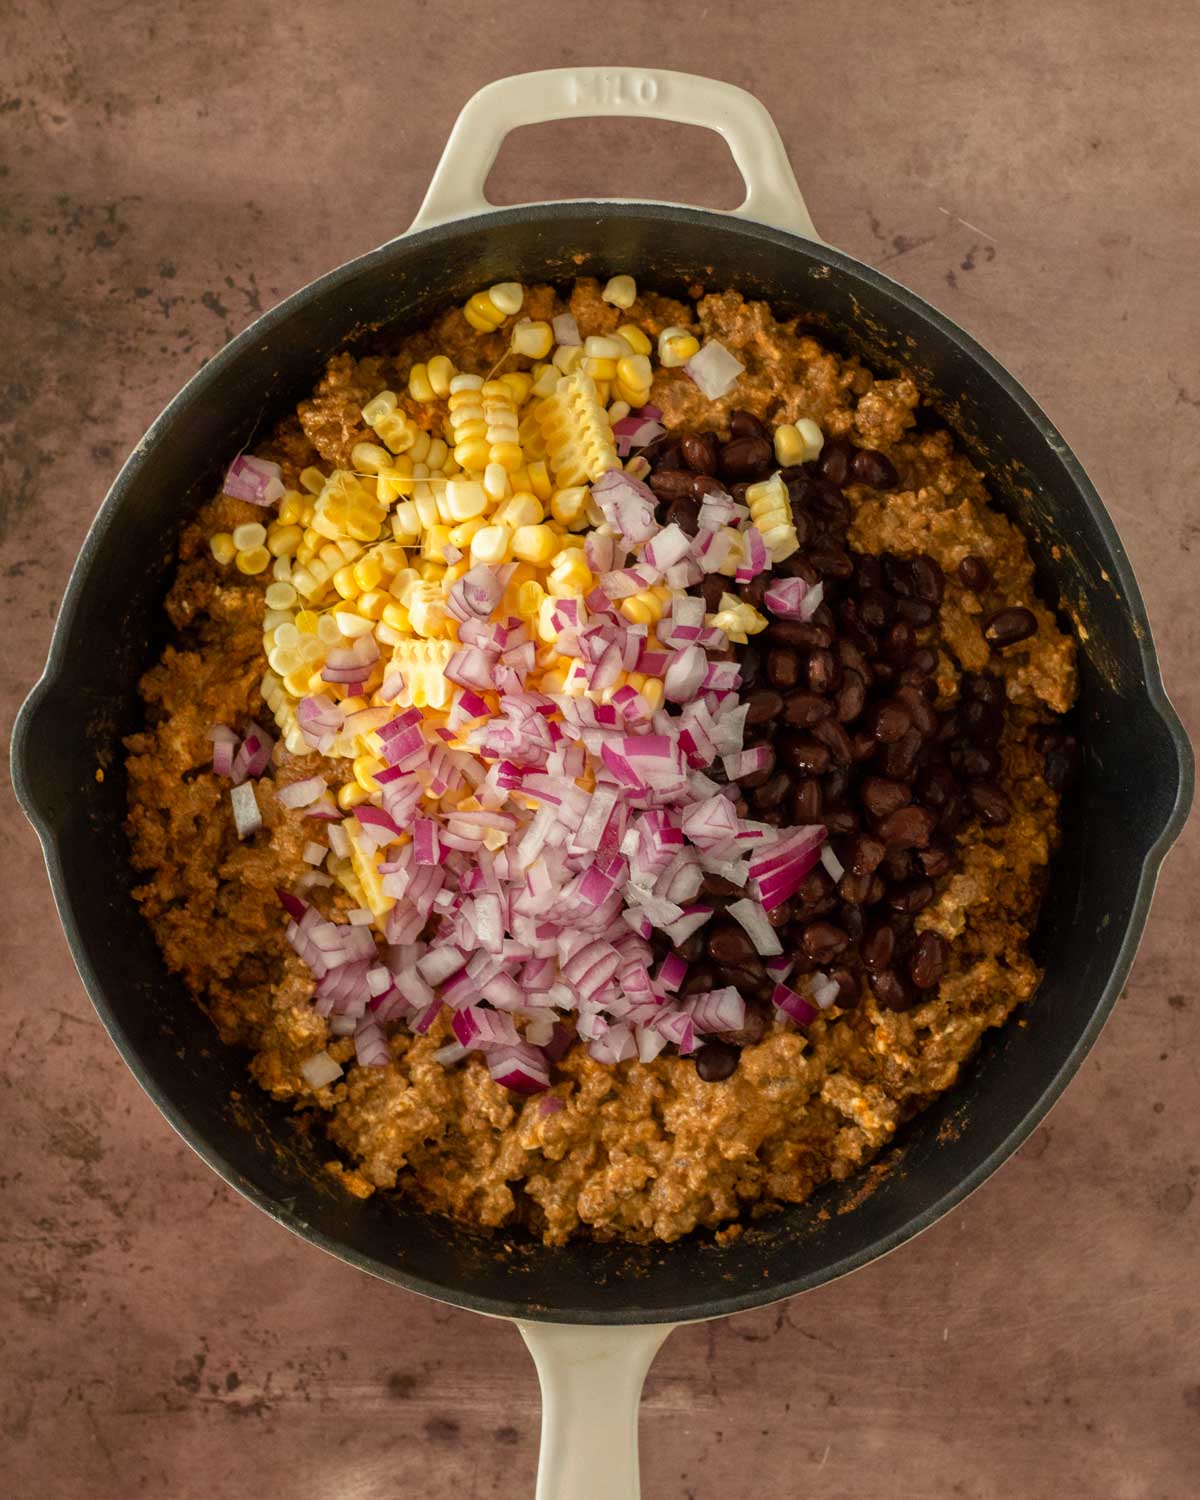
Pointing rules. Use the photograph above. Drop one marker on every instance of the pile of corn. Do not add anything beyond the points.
(377, 547)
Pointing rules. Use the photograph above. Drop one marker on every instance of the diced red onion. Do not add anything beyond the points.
(714, 369)
(627, 505)
(717, 1010)
(794, 1006)
(257, 480)
(225, 743)
(750, 916)
(566, 330)
(246, 817)
(301, 793)
(320, 1070)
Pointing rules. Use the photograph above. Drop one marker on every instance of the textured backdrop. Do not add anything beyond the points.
(167, 172)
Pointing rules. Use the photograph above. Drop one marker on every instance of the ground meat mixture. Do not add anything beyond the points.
(923, 577)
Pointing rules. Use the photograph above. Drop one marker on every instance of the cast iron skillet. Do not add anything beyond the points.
(1120, 818)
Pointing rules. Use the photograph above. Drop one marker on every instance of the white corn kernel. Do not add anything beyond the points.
(507, 296)
(464, 499)
(248, 536)
(280, 596)
(490, 545)
(621, 291)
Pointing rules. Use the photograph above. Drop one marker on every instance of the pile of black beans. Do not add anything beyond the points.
(846, 705)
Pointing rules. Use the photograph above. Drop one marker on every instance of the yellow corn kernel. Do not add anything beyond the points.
(519, 383)
(569, 507)
(570, 577)
(472, 454)
(343, 581)
(440, 372)
(280, 596)
(601, 369)
(771, 512)
(460, 535)
(421, 445)
(621, 291)
(490, 544)
(798, 444)
(521, 509)
(530, 597)
(282, 541)
(306, 621)
(617, 412)
(419, 387)
(646, 608)
(397, 431)
(574, 427)
(222, 547)
(482, 313)
(351, 795)
(368, 572)
(463, 499)
(676, 346)
(637, 339)
(434, 544)
(312, 480)
(539, 480)
(534, 340)
(535, 544)
(291, 509)
(406, 522)
(378, 408)
(372, 604)
(633, 379)
(396, 616)
(653, 692)
(252, 560)
(365, 767)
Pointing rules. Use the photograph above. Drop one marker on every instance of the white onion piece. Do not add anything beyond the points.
(246, 817)
(750, 916)
(319, 1070)
(714, 369)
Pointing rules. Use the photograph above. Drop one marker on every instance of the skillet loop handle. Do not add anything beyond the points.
(772, 196)
(591, 1380)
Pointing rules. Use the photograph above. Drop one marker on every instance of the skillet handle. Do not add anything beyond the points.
(772, 196)
(591, 1380)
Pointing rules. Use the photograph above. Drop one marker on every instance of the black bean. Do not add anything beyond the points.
(898, 573)
(783, 667)
(911, 896)
(761, 776)
(691, 948)
(765, 706)
(876, 609)
(878, 947)
(936, 861)
(976, 762)
(851, 696)
(841, 820)
(922, 715)
(893, 991)
(746, 424)
(928, 960)
(745, 458)
(758, 1023)
(728, 943)
(908, 827)
(830, 733)
(900, 643)
(717, 885)
(864, 854)
(986, 688)
(672, 484)
(804, 753)
(834, 461)
(700, 979)
(684, 513)
(806, 800)
(990, 802)
(869, 466)
(929, 582)
(890, 721)
(900, 760)
(805, 709)
(982, 721)
(855, 888)
(974, 574)
(848, 987)
(822, 671)
(716, 1061)
(1009, 626)
(882, 796)
(823, 942)
(700, 452)
(663, 453)
(800, 633)
(831, 561)
(915, 612)
(771, 793)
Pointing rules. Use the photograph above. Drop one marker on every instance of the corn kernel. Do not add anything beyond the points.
(284, 540)
(529, 599)
(378, 408)
(490, 544)
(419, 449)
(280, 596)
(539, 480)
(343, 581)
(571, 581)
(621, 291)
(405, 520)
(298, 683)
(368, 572)
(419, 387)
(436, 540)
(653, 692)
(252, 560)
(291, 509)
(440, 372)
(365, 767)
(460, 535)
(676, 346)
(600, 346)
(569, 506)
(600, 368)
(463, 499)
(396, 616)
(535, 544)
(350, 796)
(222, 547)
(306, 621)
(473, 454)
(248, 536)
(618, 411)
(312, 479)
(637, 339)
(522, 509)
(532, 339)
(482, 313)
(519, 383)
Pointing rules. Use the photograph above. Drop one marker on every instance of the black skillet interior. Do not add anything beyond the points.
(1121, 817)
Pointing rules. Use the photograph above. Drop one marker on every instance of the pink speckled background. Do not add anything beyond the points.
(167, 172)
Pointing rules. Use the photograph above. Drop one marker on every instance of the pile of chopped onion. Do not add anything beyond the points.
(574, 824)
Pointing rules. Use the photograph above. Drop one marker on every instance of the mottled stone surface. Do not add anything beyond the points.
(167, 172)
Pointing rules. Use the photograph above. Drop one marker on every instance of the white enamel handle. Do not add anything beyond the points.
(772, 196)
(591, 1380)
